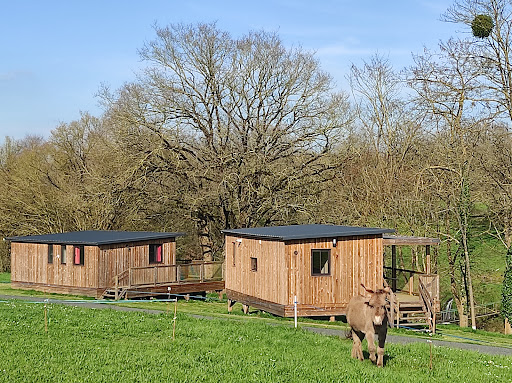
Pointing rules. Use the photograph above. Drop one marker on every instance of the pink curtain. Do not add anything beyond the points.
(159, 254)
(77, 255)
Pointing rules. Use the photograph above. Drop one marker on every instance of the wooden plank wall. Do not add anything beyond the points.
(270, 281)
(114, 259)
(354, 260)
(29, 263)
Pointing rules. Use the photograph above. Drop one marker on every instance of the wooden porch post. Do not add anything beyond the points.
(116, 283)
(392, 309)
(393, 268)
(427, 253)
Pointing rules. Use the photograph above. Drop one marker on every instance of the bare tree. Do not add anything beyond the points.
(448, 85)
(243, 126)
(391, 133)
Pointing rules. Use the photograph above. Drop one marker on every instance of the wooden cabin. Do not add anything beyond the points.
(321, 266)
(87, 262)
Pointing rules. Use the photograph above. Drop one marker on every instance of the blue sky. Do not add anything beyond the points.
(56, 54)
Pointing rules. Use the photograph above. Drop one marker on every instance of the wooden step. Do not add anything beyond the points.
(413, 312)
(111, 294)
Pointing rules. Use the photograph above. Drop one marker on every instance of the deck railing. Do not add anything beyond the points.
(428, 305)
(411, 284)
(169, 274)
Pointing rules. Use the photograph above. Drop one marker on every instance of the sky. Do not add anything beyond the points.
(55, 55)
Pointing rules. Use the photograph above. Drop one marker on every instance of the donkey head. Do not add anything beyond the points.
(377, 304)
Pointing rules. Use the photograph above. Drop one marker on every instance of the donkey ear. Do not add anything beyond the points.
(367, 290)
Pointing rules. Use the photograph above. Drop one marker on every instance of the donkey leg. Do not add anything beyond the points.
(380, 349)
(371, 345)
(357, 348)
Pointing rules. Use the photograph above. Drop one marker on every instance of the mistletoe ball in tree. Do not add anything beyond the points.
(482, 26)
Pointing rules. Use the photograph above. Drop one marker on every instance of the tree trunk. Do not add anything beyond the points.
(470, 286)
(508, 328)
(205, 240)
(463, 322)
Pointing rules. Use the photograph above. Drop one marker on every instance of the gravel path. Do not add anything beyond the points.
(485, 349)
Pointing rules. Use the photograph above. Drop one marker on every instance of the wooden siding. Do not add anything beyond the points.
(285, 271)
(354, 260)
(30, 267)
(270, 281)
(114, 259)
(29, 263)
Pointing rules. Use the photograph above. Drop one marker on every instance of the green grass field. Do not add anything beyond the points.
(86, 345)
(5, 277)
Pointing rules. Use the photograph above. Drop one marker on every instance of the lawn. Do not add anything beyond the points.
(5, 277)
(5, 289)
(86, 345)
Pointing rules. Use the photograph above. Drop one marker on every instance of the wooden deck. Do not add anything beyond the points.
(156, 280)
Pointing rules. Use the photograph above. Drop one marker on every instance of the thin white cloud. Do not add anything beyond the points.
(343, 50)
(14, 75)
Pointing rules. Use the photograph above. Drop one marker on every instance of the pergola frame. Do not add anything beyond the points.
(394, 241)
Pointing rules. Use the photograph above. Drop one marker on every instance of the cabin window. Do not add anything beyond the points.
(78, 255)
(254, 264)
(63, 254)
(155, 254)
(50, 253)
(321, 262)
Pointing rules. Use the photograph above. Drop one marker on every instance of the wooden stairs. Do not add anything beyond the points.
(111, 293)
(411, 312)
(411, 315)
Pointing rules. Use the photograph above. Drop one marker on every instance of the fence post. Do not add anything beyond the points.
(116, 283)
(201, 272)
(155, 274)
(411, 283)
(129, 277)
(178, 273)
(393, 267)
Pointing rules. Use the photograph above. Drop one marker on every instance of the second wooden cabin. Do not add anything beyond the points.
(108, 264)
(321, 266)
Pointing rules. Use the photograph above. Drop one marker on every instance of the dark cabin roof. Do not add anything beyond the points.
(291, 232)
(95, 238)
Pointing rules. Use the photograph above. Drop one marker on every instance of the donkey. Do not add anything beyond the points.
(366, 317)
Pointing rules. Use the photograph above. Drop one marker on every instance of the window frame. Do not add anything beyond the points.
(254, 264)
(50, 253)
(81, 249)
(63, 254)
(320, 252)
(153, 254)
